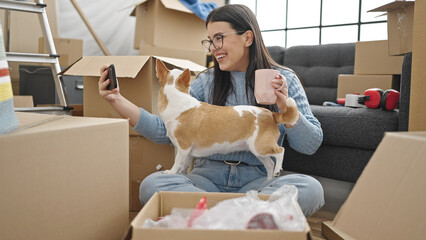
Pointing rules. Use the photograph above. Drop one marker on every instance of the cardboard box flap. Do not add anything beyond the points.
(134, 5)
(333, 233)
(125, 66)
(170, 4)
(31, 123)
(392, 6)
(387, 200)
(175, 5)
(182, 63)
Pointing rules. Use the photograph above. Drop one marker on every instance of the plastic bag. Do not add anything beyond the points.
(179, 218)
(281, 212)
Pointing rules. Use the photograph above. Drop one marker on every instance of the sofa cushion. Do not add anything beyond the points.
(277, 53)
(340, 163)
(318, 67)
(355, 127)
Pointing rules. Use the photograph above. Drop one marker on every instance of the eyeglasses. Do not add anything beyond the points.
(217, 41)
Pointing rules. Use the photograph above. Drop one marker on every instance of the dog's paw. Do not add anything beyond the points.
(168, 172)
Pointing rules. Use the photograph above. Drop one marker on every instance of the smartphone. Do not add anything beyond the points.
(112, 77)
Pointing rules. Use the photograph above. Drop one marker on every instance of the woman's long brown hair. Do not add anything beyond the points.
(241, 19)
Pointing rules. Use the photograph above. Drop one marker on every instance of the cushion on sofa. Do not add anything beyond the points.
(277, 53)
(317, 67)
(355, 127)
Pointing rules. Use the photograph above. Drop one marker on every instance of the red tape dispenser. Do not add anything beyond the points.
(376, 98)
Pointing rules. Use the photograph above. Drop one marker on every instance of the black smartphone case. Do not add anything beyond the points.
(112, 77)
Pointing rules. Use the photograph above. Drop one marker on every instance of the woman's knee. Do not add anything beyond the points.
(310, 191)
(160, 181)
(310, 194)
(148, 187)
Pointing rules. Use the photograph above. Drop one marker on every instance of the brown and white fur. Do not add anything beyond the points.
(199, 129)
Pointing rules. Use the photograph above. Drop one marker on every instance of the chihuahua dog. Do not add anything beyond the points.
(199, 129)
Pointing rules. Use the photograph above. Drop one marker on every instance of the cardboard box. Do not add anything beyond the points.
(400, 16)
(137, 81)
(388, 199)
(372, 57)
(194, 55)
(418, 84)
(349, 84)
(69, 50)
(64, 177)
(162, 203)
(167, 23)
(23, 101)
(146, 157)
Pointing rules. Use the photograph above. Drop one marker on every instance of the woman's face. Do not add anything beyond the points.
(234, 54)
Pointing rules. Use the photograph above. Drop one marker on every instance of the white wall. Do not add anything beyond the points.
(111, 22)
(113, 25)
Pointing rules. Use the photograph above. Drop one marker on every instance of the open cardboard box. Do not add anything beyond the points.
(388, 199)
(136, 77)
(161, 204)
(167, 23)
(400, 16)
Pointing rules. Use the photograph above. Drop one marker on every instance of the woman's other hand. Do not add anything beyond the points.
(281, 91)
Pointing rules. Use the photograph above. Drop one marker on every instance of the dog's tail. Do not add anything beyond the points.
(290, 116)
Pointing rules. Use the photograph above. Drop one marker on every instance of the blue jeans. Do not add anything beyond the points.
(217, 176)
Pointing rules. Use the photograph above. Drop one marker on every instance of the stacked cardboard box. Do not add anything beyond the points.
(139, 84)
(373, 68)
(64, 177)
(406, 21)
(69, 50)
(169, 29)
(379, 63)
(400, 26)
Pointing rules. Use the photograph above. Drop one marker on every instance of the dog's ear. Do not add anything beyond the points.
(161, 70)
(185, 78)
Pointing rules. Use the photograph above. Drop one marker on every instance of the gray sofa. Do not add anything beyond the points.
(351, 135)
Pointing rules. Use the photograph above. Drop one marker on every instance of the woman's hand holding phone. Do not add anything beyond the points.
(108, 83)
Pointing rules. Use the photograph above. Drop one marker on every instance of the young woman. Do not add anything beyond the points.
(235, 42)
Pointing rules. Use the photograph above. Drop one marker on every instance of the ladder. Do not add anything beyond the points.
(52, 58)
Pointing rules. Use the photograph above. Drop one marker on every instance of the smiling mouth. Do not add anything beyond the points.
(220, 56)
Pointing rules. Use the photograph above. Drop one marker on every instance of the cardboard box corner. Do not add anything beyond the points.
(382, 203)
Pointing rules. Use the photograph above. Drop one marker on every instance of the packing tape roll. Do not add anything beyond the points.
(352, 101)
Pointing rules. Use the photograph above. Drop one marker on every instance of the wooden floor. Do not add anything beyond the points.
(316, 220)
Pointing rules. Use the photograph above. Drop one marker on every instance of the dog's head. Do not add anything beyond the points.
(180, 80)
(171, 80)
